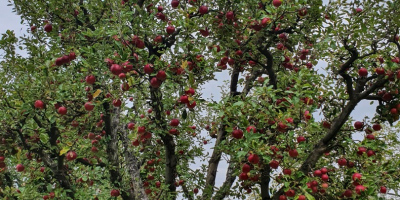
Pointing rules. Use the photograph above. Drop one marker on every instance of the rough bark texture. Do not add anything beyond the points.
(171, 160)
(111, 119)
(133, 168)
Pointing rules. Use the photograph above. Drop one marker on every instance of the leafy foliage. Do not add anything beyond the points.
(107, 103)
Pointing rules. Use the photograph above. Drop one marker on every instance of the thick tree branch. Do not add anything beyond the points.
(111, 120)
(349, 84)
(221, 136)
(264, 185)
(226, 186)
(354, 56)
(269, 66)
(133, 167)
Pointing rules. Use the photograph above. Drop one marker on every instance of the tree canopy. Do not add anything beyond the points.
(107, 103)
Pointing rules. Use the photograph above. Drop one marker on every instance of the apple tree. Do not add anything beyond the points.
(106, 102)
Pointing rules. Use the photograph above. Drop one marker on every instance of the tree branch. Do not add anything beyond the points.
(269, 66)
(226, 186)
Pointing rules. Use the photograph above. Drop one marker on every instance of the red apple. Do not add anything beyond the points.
(39, 104)
(342, 162)
(380, 71)
(89, 106)
(301, 139)
(158, 39)
(290, 193)
(274, 164)
(175, 3)
(184, 99)
(383, 189)
(356, 176)
(287, 172)
(174, 122)
(361, 150)
(317, 173)
(252, 129)
(230, 15)
(170, 29)
(48, 27)
(71, 155)
(243, 176)
(277, 3)
(358, 125)
(238, 134)
(324, 177)
(376, 127)
(62, 110)
(155, 83)
(20, 168)
(114, 193)
(363, 72)
(360, 188)
(253, 159)
(148, 69)
(190, 91)
(117, 102)
(293, 153)
(90, 79)
(116, 69)
(91, 136)
(246, 168)
(161, 75)
(203, 10)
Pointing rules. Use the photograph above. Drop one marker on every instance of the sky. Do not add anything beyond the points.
(9, 20)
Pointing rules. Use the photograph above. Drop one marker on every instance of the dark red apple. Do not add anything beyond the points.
(174, 122)
(62, 110)
(170, 29)
(277, 3)
(287, 172)
(20, 168)
(48, 27)
(253, 159)
(90, 79)
(71, 155)
(114, 193)
(238, 134)
(203, 10)
(363, 72)
(274, 164)
(39, 104)
(383, 189)
(89, 106)
(246, 168)
(175, 3)
(148, 69)
(117, 102)
(376, 127)
(161, 75)
(358, 125)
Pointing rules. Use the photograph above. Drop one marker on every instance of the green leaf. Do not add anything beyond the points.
(309, 196)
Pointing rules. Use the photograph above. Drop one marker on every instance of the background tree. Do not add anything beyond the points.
(108, 102)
